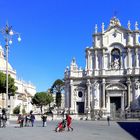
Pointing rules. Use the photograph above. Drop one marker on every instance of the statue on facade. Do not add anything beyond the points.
(115, 22)
(115, 64)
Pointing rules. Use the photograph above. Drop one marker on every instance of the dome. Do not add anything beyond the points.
(3, 65)
(3, 61)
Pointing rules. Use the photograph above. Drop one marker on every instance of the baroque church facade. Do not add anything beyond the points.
(25, 90)
(111, 78)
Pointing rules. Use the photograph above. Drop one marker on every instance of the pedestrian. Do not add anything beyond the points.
(44, 119)
(20, 120)
(108, 120)
(69, 122)
(32, 119)
(27, 120)
(4, 117)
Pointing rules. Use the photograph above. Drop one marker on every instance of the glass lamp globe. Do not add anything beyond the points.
(19, 39)
(11, 33)
(10, 42)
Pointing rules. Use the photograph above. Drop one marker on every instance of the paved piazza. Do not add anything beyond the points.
(83, 130)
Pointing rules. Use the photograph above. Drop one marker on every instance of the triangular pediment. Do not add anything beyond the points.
(117, 28)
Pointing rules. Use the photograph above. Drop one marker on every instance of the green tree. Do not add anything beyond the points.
(16, 110)
(41, 99)
(11, 84)
(57, 88)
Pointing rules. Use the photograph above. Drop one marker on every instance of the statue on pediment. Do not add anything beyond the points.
(114, 21)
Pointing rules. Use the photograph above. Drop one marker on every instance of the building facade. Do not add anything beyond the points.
(110, 81)
(24, 93)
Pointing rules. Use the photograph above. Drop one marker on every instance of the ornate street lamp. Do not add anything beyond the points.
(8, 35)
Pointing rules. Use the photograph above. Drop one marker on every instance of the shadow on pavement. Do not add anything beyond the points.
(131, 127)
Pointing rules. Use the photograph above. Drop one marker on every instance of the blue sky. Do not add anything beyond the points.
(55, 31)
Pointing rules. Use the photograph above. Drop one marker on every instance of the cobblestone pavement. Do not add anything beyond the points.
(83, 130)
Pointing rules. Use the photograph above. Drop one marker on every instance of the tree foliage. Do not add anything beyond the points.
(16, 110)
(41, 99)
(11, 84)
(57, 88)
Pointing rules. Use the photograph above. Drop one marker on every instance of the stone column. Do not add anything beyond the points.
(129, 39)
(122, 102)
(67, 96)
(110, 61)
(71, 98)
(121, 60)
(136, 34)
(91, 61)
(136, 58)
(103, 60)
(103, 93)
(88, 93)
(128, 58)
(129, 92)
(88, 62)
(96, 60)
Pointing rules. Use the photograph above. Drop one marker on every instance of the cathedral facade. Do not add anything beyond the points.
(110, 81)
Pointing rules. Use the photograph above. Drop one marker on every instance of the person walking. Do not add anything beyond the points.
(108, 120)
(69, 122)
(20, 120)
(27, 120)
(32, 119)
(4, 118)
(44, 119)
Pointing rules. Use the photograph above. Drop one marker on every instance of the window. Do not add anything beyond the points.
(80, 94)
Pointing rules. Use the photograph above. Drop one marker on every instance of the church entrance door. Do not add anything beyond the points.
(115, 106)
(80, 107)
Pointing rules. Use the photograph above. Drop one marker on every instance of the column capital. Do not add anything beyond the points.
(128, 81)
(128, 50)
(71, 82)
(95, 52)
(88, 82)
(136, 50)
(103, 81)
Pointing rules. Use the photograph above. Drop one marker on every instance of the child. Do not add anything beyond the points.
(61, 126)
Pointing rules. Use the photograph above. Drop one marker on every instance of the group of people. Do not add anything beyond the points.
(27, 119)
(65, 122)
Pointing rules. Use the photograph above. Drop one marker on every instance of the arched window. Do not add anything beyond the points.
(115, 58)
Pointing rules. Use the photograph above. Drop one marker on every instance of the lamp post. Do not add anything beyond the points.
(8, 35)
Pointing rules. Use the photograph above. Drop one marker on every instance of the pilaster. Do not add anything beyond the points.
(129, 91)
(136, 58)
(71, 98)
(88, 94)
(128, 60)
(96, 60)
(103, 93)
(103, 62)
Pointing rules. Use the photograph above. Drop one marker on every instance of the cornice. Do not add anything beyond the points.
(102, 48)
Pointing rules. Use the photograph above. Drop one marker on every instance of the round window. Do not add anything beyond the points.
(80, 94)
